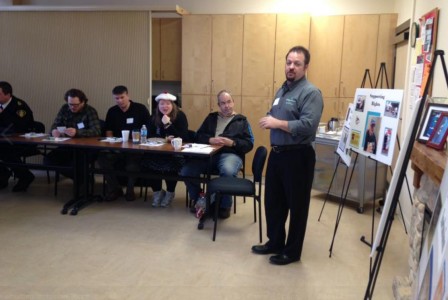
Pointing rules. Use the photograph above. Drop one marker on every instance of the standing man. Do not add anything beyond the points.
(226, 128)
(79, 120)
(293, 121)
(15, 117)
(126, 115)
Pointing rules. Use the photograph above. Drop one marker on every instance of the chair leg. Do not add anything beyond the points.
(146, 193)
(215, 218)
(48, 177)
(56, 181)
(234, 204)
(255, 209)
(259, 218)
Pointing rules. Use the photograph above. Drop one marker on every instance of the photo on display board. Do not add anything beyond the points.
(429, 121)
(386, 140)
(371, 135)
(391, 109)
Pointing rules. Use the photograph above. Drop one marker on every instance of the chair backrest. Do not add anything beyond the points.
(103, 127)
(191, 136)
(258, 162)
(38, 127)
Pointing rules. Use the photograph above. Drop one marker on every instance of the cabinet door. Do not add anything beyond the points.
(170, 54)
(386, 48)
(155, 49)
(196, 108)
(196, 54)
(258, 55)
(292, 30)
(326, 36)
(254, 108)
(358, 51)
(331, 109)
(227, 53)
(343, 106)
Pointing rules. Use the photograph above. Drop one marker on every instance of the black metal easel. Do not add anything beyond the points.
(343, 197)
(363, 83)
(374, 269)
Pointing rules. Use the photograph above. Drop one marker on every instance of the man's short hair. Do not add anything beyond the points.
(300, 49)
(223, 92)
(119, 89)
(6, 87)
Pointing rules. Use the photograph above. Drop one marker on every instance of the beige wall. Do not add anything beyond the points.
(48, 53)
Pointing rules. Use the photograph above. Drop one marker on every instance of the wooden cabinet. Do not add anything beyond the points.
(291, 30)
(258, 55)
(227, 53)
(326, 52)
(254, 108)
(342, 49)
(358, 52)
(196, 54)
(166, 49)
(217, 65)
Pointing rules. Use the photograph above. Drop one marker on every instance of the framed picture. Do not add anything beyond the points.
(440, 132)
(432, 114)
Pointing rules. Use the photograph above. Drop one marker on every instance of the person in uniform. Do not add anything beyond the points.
(15, 117)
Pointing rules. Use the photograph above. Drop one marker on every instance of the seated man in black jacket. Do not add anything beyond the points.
(226, 128)
(15, 117)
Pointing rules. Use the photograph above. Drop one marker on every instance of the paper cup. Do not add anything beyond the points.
(125, 135)
(176, 143)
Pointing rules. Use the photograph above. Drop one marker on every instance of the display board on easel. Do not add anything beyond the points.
(374, 123)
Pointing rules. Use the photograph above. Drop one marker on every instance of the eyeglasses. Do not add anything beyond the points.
(74, 104)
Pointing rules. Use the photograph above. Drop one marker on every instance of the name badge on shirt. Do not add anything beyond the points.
(80, 125)
(130, 121)
(276, 102)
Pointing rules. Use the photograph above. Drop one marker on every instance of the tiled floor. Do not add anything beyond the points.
(129, 250)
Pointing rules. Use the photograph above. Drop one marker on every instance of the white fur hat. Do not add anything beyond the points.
(165, 96)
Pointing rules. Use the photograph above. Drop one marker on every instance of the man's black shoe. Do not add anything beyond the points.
(282, 259)
(224, 212)
(264, 249)
(23, 183)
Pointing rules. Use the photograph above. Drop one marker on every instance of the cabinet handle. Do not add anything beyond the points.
(343, 91)
(335, 91)
(163, 75)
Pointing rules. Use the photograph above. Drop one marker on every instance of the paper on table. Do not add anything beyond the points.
(56, 139)
(34, 135)
(153, 143)
(112, 140)
(197, 148)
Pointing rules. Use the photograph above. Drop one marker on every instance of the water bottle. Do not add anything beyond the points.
(200, 205)
(143, 135)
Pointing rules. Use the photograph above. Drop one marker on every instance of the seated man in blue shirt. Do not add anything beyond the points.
(226, 128)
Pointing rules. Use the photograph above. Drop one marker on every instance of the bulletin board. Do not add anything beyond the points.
(428, 35)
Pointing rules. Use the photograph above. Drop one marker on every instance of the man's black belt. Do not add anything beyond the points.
(283, 148)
